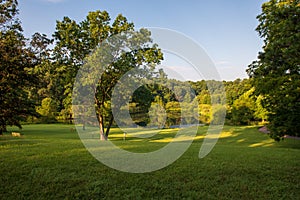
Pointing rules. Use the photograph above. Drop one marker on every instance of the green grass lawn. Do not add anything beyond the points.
(50, 162)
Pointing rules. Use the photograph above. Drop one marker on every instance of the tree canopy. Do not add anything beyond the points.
(16, 64)
(276, 73)
(37, 74)
(96, 41)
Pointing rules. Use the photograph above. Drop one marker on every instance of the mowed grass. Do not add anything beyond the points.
(50, 162)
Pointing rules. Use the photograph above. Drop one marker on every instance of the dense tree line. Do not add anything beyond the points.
(37, 74)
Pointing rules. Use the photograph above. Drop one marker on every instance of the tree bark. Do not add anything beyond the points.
(83, 125)
(101, 126)
(109, 125)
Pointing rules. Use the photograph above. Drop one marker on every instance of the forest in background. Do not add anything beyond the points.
(37, 74)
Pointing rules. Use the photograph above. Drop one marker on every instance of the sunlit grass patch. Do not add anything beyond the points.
(50, 162)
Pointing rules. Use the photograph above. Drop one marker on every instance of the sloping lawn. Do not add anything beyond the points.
(50, 162)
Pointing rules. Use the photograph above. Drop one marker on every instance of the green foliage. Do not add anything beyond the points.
(204, 97)
(110, 57)
(173, 110)
(276, 73)
(205, 114)
(198, 86)
(234, 89)
(8, 12)
(38, 75)
(157, 113)
(260, 112)
(218, 114)
(243, 109)
(16, 64)
(48, 110)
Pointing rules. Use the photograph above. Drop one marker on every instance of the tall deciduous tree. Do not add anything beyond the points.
(75, 41)
(80, 43)
(276, 73)
(141, 56)
(16, 63)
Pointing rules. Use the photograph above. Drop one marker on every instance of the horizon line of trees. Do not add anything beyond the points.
(37, 74)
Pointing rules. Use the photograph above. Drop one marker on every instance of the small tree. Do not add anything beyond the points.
(243, 109)
(48, 109)
(260, 112)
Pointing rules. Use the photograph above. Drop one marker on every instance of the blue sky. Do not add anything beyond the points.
(224, 28)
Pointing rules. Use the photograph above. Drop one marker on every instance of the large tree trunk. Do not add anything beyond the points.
(101, 126)
(109, 125)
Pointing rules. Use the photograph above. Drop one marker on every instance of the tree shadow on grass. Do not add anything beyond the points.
(251, 137)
